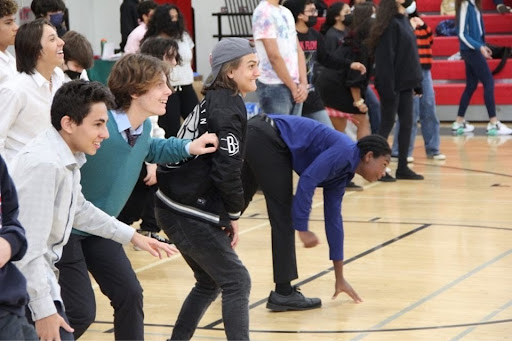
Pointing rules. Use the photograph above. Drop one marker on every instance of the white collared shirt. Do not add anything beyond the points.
(7, 66)
(47, 177)
(25, 103)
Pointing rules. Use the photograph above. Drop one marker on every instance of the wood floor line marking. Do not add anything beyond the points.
(434, 294)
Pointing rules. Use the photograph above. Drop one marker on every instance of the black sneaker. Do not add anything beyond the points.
(154, 235)
(353, 187)
(407, 174)
(387, 178)
(295, 301)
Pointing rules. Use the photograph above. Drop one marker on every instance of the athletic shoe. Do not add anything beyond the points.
(503, 9)
(498, 128)
(387, 178)
(394, 158)
(295, 301)
(407, 174)
(154, 235)
(462, 127)
(438, 157)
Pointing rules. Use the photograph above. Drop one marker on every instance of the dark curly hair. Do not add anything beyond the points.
(160, 23)
(374, 143)
(8, 7)
(75, 98)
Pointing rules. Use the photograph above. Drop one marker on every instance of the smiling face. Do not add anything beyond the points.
(87, 136)
(372, 168)
(153, 102)
(51, 54)
(246, 73)
(8, 29)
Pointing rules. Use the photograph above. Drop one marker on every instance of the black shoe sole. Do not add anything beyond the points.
(276, 307)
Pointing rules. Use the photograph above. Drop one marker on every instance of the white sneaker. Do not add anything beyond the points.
(410, 159)
(498, 128)
(462, 127)
(438, 157)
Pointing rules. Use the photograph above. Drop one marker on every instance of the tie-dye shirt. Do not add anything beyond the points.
(275, 22)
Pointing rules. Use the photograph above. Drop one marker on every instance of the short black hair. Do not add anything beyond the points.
(27, 45)
(297, 6)
(374, 143)
(75, 98)
(42, 7)
(144, 7)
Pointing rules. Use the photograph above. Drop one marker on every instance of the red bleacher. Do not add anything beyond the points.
(449, 76)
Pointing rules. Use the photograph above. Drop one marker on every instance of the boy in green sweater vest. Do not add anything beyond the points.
(140, 86)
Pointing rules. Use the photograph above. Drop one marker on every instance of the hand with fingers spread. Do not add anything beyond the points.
(344, 286)
(153, 246)
(308, 238)
(48, 328)
(206, 143)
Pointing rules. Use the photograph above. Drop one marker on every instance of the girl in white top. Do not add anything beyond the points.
(167, 21)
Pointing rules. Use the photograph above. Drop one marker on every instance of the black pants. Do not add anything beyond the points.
(179, 105)
(141, 204)
(401, 105)
(268, 164)
(110, 267)
(64, 335)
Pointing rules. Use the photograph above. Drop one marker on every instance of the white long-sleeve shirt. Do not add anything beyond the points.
(47, 176)
(25, 103)
(7, 66)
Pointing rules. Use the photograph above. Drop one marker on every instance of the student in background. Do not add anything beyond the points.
(52, 10)
(8, 29)
(78, 56)
(145, 10)
(128, 19)
(474, 52)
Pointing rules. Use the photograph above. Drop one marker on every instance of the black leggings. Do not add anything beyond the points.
(179, 105)
(401, 105)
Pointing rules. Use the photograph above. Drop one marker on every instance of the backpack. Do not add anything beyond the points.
(446, 28)
(499, 52)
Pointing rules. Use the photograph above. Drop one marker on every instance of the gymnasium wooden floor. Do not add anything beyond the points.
(432, 260)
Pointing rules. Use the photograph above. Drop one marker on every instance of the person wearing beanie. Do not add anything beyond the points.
(199, 200)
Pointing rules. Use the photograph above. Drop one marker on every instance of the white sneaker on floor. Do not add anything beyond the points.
(462, 127)
(410, 159)
(498, 128)
(438, 157)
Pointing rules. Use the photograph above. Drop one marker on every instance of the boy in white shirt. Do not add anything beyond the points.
(47, 175)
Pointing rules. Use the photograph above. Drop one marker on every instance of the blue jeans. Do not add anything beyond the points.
(373, 104)
(277, 99)
(424, 110)
(477, 69)
(320, 116)
(216, 266)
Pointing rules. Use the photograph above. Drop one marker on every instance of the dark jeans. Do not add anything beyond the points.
(268, 164)
(217, 268)
(110, 267)
(477, 69)
(15, 327)
(64, 335)
(373, 110)
(141, 204)
(401, 105)
(179, 105)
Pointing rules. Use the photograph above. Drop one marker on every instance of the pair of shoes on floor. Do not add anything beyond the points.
(295, 301)
(498, 128)
(154, 235)
(462, 127)
(407, 174)
(353, 187)
(503, 9)
(437, 157)
(394, 158)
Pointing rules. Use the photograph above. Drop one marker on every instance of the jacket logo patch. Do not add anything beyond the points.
(231, 145)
